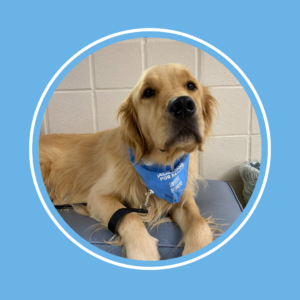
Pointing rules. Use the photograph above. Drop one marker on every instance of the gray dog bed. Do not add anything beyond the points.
(217, 200)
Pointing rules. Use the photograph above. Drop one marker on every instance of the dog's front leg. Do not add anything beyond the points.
(195, 230)
(138, 243)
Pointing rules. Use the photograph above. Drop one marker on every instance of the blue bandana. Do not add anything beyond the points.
(165, 183)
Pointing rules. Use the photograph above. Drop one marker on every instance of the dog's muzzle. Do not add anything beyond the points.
(183, 121)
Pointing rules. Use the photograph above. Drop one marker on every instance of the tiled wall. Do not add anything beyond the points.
(88, 97)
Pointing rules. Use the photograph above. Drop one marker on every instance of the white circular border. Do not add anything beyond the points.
(100, 41)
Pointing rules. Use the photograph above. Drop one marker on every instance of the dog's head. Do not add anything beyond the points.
(168, 113)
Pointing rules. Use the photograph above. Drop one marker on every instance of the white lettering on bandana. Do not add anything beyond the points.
(165, 183)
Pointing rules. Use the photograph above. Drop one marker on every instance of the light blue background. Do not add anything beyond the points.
(39, 262)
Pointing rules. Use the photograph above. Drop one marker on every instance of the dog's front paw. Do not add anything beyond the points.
(144, 249)
(197, 238)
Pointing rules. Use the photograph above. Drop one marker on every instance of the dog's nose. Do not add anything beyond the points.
(182, 107)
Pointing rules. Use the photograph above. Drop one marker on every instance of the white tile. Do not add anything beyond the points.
(255, 126)
(78, 77)
(255, 147)
(118, 65)
(215, 73)
(234, 108)
(223, 156)
(166, 51)
(137, 40)
(107, 104)
(118, 68)
(71, 113)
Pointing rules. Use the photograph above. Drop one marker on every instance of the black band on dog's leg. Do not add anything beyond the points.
(67, 206)
(119, 214)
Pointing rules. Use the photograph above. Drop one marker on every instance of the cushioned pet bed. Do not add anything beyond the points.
(217, 200)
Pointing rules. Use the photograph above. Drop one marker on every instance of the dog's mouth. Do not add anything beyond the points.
(183, 135)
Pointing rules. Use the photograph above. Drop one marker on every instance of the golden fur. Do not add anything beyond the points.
(95, 168)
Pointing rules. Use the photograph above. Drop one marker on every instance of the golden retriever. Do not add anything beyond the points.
(96, 169)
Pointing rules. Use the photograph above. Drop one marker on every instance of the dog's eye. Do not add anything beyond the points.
(148, 93)
(191, 86)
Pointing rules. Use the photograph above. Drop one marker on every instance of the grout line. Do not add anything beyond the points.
(143, 51)
(43, 127)
(93, 84)
(201, 65)
(225, 86)
(114, 89)
(146, 57)
(248, 147)
(46, 121)
(231, 135)
(73, 91)
(250, 121)
(249, 130)
(91, 90)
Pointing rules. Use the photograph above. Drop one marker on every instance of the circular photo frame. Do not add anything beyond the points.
(265, 148)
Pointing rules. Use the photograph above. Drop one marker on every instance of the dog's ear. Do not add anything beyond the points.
(210, 108)
(131, 132)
